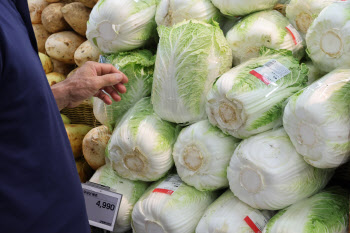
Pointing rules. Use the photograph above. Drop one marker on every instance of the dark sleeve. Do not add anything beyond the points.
(2, 51)
(1, 54)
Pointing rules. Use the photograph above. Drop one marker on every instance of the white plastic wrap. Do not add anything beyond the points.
(170, 206)
(141, 145)
(317, 120)
(249, 98)
(266, 172)
(201, 154)
(229, 214)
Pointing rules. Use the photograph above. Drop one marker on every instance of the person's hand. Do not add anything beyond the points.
(91, 79)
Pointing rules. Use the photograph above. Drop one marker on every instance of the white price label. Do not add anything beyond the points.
(271, 72)
(102, 205)
(295, 34)
(256, 222)
(169, 185)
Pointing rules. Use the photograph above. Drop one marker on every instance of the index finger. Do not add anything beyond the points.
(102, 69)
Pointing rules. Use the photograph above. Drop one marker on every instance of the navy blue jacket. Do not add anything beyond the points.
(40, 189)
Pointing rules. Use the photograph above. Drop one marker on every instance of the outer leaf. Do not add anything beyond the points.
(190, 56)
(265, 28)
(171, 12)
(243, 7)
(314, 73)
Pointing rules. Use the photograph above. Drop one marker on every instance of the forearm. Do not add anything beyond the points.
(61, 94)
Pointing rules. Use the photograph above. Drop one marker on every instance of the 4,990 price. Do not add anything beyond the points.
(105, 205)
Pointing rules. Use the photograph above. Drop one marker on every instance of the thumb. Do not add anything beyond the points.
(109, 79)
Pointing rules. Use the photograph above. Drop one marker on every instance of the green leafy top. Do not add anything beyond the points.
(143, 110)
(340, 100)
(139, 57)
(327, 211)
(190, 52)
(133, 190)
(143, 4)
(273, 17)
(265, 51)
(138, 66)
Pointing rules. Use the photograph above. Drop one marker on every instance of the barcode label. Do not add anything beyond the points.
(295, 34)
(256, 222)
(169, 185)
(271, 72)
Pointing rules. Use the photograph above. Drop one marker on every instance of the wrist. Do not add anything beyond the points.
(61, 92)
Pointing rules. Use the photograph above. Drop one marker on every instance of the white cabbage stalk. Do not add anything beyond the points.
(301, 13)
(265, 28)
(201, 154)
(138, 66)
(190, 56)
(171, 12)
(266, 172)
(141, 145)
(243, 7)
(131, 191)
(242, 105)
(317, 120)
(328, 38)
(122, 25)
(314, 73)
(177, 212)
(227, 214)
(327, 212)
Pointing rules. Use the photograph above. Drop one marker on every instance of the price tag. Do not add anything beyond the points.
(169, 185)
(102, 205)
(270, 72)
(256, 222)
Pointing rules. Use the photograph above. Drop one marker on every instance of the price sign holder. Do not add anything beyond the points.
(102, 205)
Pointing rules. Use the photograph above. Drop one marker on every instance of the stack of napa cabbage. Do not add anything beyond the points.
(225, 147)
